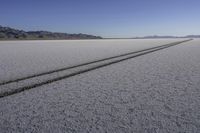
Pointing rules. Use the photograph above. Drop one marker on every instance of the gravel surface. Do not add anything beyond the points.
(24, 58)
(158, 92)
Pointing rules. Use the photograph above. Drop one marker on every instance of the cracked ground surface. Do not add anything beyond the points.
(24, 58)
(158, 92)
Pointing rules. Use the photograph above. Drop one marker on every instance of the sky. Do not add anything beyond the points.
(107, 18)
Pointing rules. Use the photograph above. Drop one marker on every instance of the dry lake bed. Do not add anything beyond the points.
(122, 85)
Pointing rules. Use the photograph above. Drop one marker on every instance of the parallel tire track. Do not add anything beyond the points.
(19, 85)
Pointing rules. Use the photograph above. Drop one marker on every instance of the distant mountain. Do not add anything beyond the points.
(7, 33)
(155, 36)
(193, 36)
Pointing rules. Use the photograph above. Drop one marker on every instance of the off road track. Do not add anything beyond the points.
(21, 84)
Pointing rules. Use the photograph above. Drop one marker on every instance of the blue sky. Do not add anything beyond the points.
(107, 18)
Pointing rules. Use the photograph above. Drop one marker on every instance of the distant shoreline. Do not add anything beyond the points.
(82, 39)
(45, 39)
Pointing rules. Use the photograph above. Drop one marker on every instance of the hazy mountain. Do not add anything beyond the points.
(156, 36)
(193, 36)
(7, 33)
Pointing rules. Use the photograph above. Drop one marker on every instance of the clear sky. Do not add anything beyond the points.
(107, 18)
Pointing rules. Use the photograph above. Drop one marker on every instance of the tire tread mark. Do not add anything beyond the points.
(142, 52)
(83, 64)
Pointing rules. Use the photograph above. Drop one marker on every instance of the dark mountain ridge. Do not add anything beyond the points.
(7, 33)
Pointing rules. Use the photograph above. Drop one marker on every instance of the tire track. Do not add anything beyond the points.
(19, 85)
(75, 66)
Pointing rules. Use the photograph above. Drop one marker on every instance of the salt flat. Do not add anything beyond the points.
(157, 92)
(24, 58)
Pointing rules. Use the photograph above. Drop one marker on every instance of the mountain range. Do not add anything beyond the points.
(7, 33)
(156, 36)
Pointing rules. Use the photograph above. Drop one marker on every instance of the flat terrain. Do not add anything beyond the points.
(156, 92)
(24, 58)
